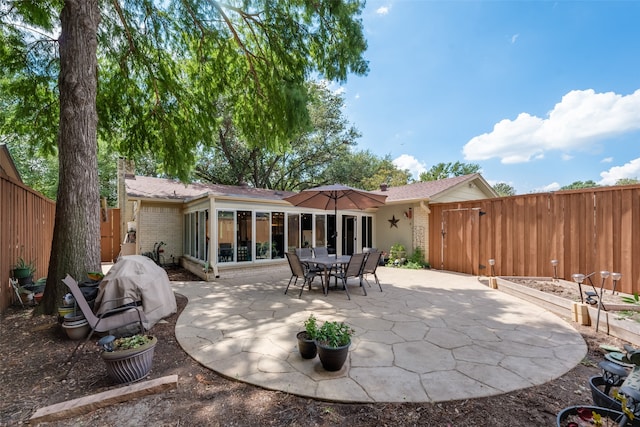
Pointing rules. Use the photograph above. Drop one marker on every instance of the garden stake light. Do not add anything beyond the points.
(616, 277)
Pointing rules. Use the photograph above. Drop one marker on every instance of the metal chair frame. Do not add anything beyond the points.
(370, 266)
(109, 320)
(353, 269)
(300, 270)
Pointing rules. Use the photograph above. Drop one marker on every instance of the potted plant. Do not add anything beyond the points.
(128, 359)
(397, 254)
(23, 271)
(333, 340)
(306, 338)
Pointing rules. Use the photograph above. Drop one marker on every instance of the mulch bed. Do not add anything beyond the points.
(34, 350)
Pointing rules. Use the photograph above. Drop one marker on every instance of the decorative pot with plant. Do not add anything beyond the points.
(128, 359)
(23, 271)
(333, 341)
(306, 338)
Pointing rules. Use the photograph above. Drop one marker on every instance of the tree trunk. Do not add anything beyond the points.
(76, 236)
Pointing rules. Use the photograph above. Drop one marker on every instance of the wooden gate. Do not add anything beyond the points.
(110, 236)
(461, 240)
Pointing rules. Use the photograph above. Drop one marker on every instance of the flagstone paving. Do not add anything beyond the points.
(429, 336)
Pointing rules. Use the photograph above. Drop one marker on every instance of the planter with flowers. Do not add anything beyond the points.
(128, 359)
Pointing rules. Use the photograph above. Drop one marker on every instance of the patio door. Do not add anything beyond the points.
(349, 235)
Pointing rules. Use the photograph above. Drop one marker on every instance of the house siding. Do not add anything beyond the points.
(160, 223)
(388, 235)
(463, 192)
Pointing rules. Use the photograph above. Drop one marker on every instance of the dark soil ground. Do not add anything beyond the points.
(34, 350)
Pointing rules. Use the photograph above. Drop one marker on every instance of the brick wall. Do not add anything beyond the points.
(421, 231)
(157, 223)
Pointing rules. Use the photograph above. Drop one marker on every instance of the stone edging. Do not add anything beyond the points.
(562, 307)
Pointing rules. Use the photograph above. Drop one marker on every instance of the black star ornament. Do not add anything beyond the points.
(393, 221)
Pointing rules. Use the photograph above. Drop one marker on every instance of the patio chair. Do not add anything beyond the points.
(304, 252)
(109, 320)
(353, 269)
(16, 288)
(308, 253)
(321, 251)
(300, 271)
(370, 266)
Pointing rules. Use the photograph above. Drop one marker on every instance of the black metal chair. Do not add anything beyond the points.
(300, 270)
(353, 269)
(370, 266)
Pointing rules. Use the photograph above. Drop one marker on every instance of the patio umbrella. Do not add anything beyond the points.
(336, 197)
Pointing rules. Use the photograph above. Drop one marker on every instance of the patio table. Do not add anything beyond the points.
(327, 263)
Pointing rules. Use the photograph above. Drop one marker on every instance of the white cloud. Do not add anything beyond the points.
(578, 122)
(628, 170)
(554, 186)
(607, 160)
(566, 156)
(383, 10)
(406, 161)
(514, 38)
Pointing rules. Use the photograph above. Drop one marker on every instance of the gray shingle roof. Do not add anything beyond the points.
(427, 189)
(162, 188)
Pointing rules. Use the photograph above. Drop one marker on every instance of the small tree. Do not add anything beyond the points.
(448, 170)
(504, 189)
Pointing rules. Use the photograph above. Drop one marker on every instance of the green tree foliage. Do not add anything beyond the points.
(163, 68)
(627, 181)
(576, 185)
(448, 170)
(38, 171)
(364, 170)
(232, 160)
(322, 154)
(504, 189)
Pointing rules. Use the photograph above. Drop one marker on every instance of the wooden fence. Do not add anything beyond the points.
(26, 230)
(585, 230)
(110, 237)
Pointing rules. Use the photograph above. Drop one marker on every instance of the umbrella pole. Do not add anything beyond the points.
(335, 214)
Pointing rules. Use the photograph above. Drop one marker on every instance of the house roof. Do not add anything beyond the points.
(7, 166)
(432, 190)
(163, 188)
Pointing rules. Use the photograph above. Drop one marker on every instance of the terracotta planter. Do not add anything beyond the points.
(306, 345)
(126, 366)
(332, 358)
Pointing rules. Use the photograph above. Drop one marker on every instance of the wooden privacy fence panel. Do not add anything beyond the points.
(26, 230)
(110, 238)
(585, 230)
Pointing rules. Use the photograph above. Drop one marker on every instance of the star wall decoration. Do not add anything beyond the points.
(393, 221)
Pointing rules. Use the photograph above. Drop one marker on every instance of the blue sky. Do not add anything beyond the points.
(538, 93)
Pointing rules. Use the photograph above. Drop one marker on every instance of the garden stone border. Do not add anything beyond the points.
(610, 324)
